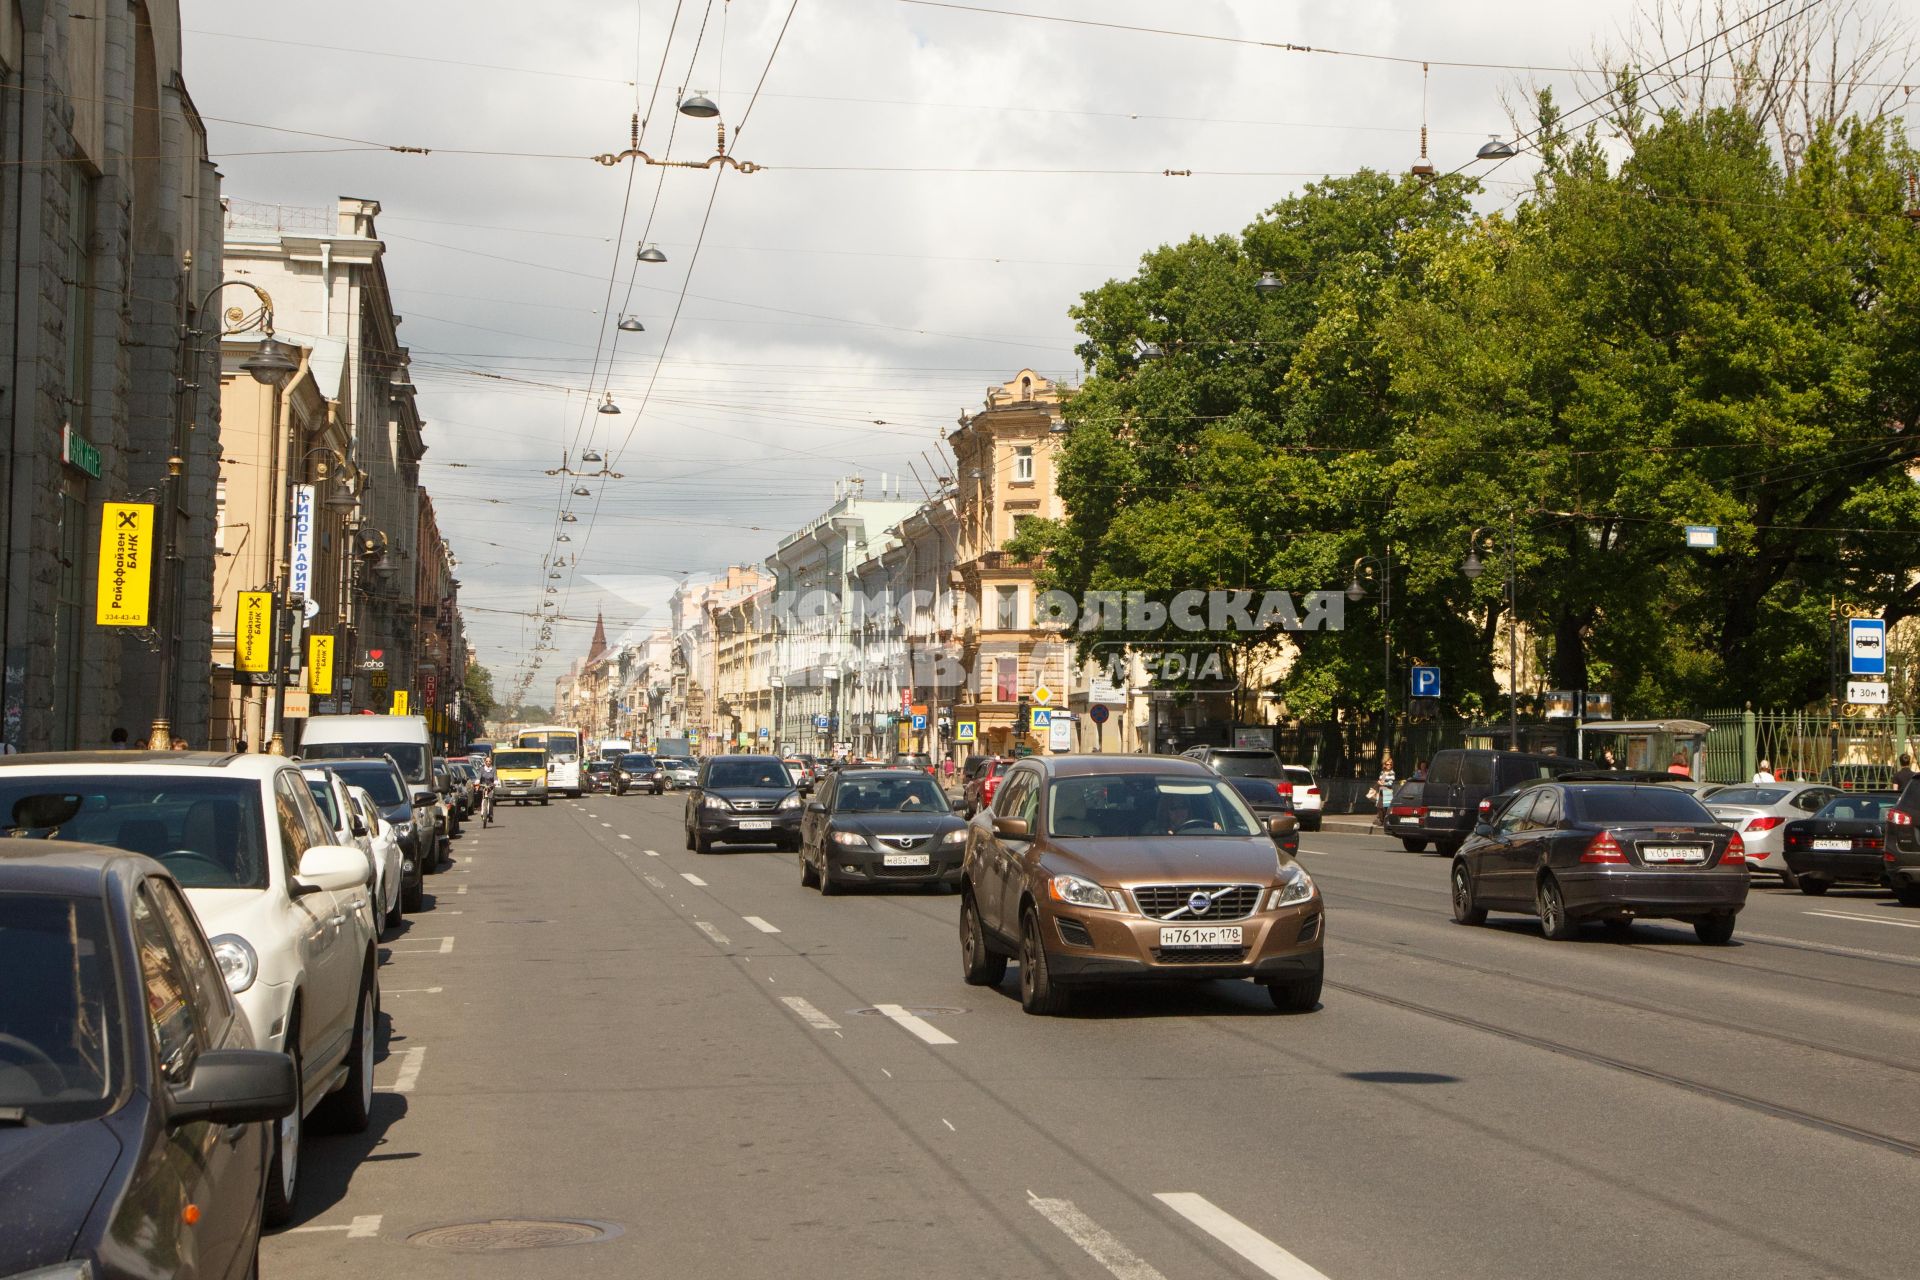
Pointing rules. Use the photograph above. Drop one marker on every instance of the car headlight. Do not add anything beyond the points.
(1078, 892)
(714, 802)
(238, 963)
(791, 802)
(956, 837)
(73, 1269)
(850, 837)
(625, 776)
(1298, 888)
(404, 830)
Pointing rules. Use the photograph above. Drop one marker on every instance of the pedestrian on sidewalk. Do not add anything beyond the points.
(117, 740)
(1765, 772)
(1383, 790)
(1904, 774)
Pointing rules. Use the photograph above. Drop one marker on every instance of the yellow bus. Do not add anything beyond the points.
(562, 745)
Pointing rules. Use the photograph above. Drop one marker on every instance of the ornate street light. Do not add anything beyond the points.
(273, 363)
(698, 105)
(608, 406)
(1268, 284)
(1495, 149)
(651, 253)
(630, 324)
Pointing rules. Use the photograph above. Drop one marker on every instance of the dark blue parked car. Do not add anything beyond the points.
(134, 1110)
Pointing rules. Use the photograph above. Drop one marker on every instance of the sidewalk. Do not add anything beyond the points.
(1353, 822)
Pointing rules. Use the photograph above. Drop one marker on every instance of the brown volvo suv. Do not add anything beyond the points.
(1103, 869)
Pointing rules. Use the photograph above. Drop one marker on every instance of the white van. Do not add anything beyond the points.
(406, 739)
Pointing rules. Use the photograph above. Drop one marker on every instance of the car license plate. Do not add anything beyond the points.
(1217, 935)
(1673, 853)
(907, 859)
(756, 824)
(1833, 844)
(1439, 813)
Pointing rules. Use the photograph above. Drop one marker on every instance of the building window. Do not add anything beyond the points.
(1006, 679)
(220, 514)
(1006, 608)
(1023, 465)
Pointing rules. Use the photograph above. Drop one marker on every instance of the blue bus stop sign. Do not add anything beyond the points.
(1866, 646)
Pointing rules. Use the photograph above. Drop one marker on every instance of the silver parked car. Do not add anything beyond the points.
(1760, 812)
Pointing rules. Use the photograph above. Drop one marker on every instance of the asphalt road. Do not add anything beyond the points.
(744, 1079)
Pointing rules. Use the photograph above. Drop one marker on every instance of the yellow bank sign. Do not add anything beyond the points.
(126, 564)
(253, 632)
(320, 664)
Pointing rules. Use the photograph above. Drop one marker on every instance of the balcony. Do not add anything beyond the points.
(1003, 560)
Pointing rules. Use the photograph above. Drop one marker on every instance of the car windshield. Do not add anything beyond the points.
(57, 1007)
(1857, 808)
(1750, 795)
(323, 796)
(1131, 805)
(1653, 803)
(518, 759)
(748, 773)
(376, 780)
(1245, 764)
(410, 756)
(208, 831)
(1261, 792)
(636, 762)
(875, 794)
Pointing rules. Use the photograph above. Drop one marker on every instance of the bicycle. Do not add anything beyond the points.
(486, 806)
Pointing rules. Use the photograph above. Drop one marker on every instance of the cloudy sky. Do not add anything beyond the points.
(941, 183)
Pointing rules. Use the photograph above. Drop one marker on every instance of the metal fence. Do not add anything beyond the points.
(1799, 744)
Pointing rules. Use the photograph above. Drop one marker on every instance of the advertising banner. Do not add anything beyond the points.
(253, 631)
(126, 564)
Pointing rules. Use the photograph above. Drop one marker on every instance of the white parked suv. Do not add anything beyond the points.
(1307, 799)
(289, 912)
(350, 826)
(386, 854)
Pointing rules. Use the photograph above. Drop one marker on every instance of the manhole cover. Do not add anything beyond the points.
(917, 1010)
(499, 1234)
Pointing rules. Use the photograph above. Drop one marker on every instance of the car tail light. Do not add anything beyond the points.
(1763, 824)
(1313, 791)
(1899, 818)
(1736, 851)
(1409, 811)
(1870, 842)
(1604, 848)
(1486, 810)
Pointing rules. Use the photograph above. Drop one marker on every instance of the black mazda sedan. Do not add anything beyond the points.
(880, 826)
(134, 1109)
(1571, 853)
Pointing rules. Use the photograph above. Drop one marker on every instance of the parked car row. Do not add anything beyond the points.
(190, 985)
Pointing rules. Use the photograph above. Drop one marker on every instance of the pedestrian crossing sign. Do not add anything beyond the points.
(964, 730)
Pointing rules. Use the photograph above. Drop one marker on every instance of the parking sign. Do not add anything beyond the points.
(1426, 682)
(1867, 647)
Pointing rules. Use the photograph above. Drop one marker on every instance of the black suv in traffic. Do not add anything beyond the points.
(1442, 808)
(743, 800)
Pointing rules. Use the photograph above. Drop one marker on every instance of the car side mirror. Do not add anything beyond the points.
(423, 797)
(1013, 828)
(1483, 828)
(234, 1086)
(331, 867)
(1284, 825)
(359, 827)
(816, 806)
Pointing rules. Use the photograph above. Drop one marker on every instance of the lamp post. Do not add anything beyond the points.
(270, 364)
(1473, 569)
(1380, 569)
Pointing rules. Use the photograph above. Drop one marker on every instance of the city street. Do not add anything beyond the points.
(734, 1076)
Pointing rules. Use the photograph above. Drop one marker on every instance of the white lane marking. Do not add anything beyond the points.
(446, 945)
(949, 1124)
(410, 1062)
(888, 1074)
(658, 884)
(461, 889)
(625, 836)
(653, 853)
(365, 1226)
(691, 878)
(810, 1015)
(914, 1023)
(1099, 1243)
(1318, 853)
(1263, 1253)
(1841, 915)
(760, 924)
(411, 991)
(712, 932)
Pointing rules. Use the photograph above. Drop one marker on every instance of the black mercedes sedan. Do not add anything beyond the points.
(1844, 843)
(134, 1110)
(880, 826)
(1571, 853)
(743, 800)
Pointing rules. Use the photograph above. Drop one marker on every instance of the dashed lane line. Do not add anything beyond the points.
(365, 1226)
(913, 1022)
(1099, 1243)
(410, 991)
(410, 1063)
(693, 879)
(712, 932)
(1843, 915)
(1263, 1253)
(445, 947)
(809, 1014)
(760, 924)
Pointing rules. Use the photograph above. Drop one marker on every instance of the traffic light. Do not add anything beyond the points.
(1023, 719)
